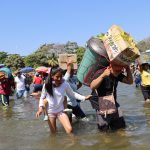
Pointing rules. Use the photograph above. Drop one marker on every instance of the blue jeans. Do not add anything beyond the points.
(21, 93)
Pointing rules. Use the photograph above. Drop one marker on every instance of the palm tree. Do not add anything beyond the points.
(52, 60)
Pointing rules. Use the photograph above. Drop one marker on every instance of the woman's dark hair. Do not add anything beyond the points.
(48, 82)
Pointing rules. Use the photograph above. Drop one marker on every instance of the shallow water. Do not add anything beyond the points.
(20, 130)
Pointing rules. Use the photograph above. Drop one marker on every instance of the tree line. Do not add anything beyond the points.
(47, 54)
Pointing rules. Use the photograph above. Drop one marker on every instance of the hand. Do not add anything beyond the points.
(39, 112)
(88, 97)
(106, 72)
(69, 66)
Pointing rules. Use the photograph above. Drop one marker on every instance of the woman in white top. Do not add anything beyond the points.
(54, 91)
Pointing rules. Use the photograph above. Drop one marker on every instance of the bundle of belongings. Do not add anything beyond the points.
(64, 59)
(114, 47)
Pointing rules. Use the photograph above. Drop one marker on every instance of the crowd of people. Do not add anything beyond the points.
(57, 91)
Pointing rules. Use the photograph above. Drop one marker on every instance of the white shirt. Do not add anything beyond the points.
(55, 102)
(20, 83)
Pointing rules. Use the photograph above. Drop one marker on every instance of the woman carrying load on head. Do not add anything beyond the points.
(106, 87)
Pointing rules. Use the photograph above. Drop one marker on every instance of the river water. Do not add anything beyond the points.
(20, 130)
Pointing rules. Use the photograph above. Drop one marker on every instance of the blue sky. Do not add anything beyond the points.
(27, 24)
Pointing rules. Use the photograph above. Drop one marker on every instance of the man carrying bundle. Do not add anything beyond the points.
(109, 115)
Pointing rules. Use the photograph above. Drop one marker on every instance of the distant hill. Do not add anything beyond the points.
(71, 47)
(144, 44)
(49, 49)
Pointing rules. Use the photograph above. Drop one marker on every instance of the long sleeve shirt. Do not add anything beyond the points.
(55, 102)
(72, 82)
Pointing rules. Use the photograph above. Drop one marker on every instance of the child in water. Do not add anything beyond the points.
(54, 91)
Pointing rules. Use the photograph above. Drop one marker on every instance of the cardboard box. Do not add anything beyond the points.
(65, 58)
(120, 46)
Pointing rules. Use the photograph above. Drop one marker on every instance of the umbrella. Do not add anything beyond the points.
(2, 65)
(27, 69)
(42, 69)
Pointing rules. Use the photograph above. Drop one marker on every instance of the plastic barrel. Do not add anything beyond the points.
(94, 61)
(97, 45)
(91, 66)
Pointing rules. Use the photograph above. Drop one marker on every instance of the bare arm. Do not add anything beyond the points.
(75, 95)
(68, 72)
(97, 82)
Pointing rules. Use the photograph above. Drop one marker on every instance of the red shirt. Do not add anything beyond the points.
(38, 80)
(5, 86)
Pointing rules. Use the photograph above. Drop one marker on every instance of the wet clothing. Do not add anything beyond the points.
(20, 86)
(38, 80)
(107, 87)
(5, 86)
(20, 82)
(37, 87)
(72, 82)
(71, 101)
(4, 99)
(145, 76)
(111, 122)
(28, 81)
(6, 90)
(56, 115)
(137, 77)
(145, 85)
(55, 102)
(38, 84)
(77, 111)
(146, 92)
